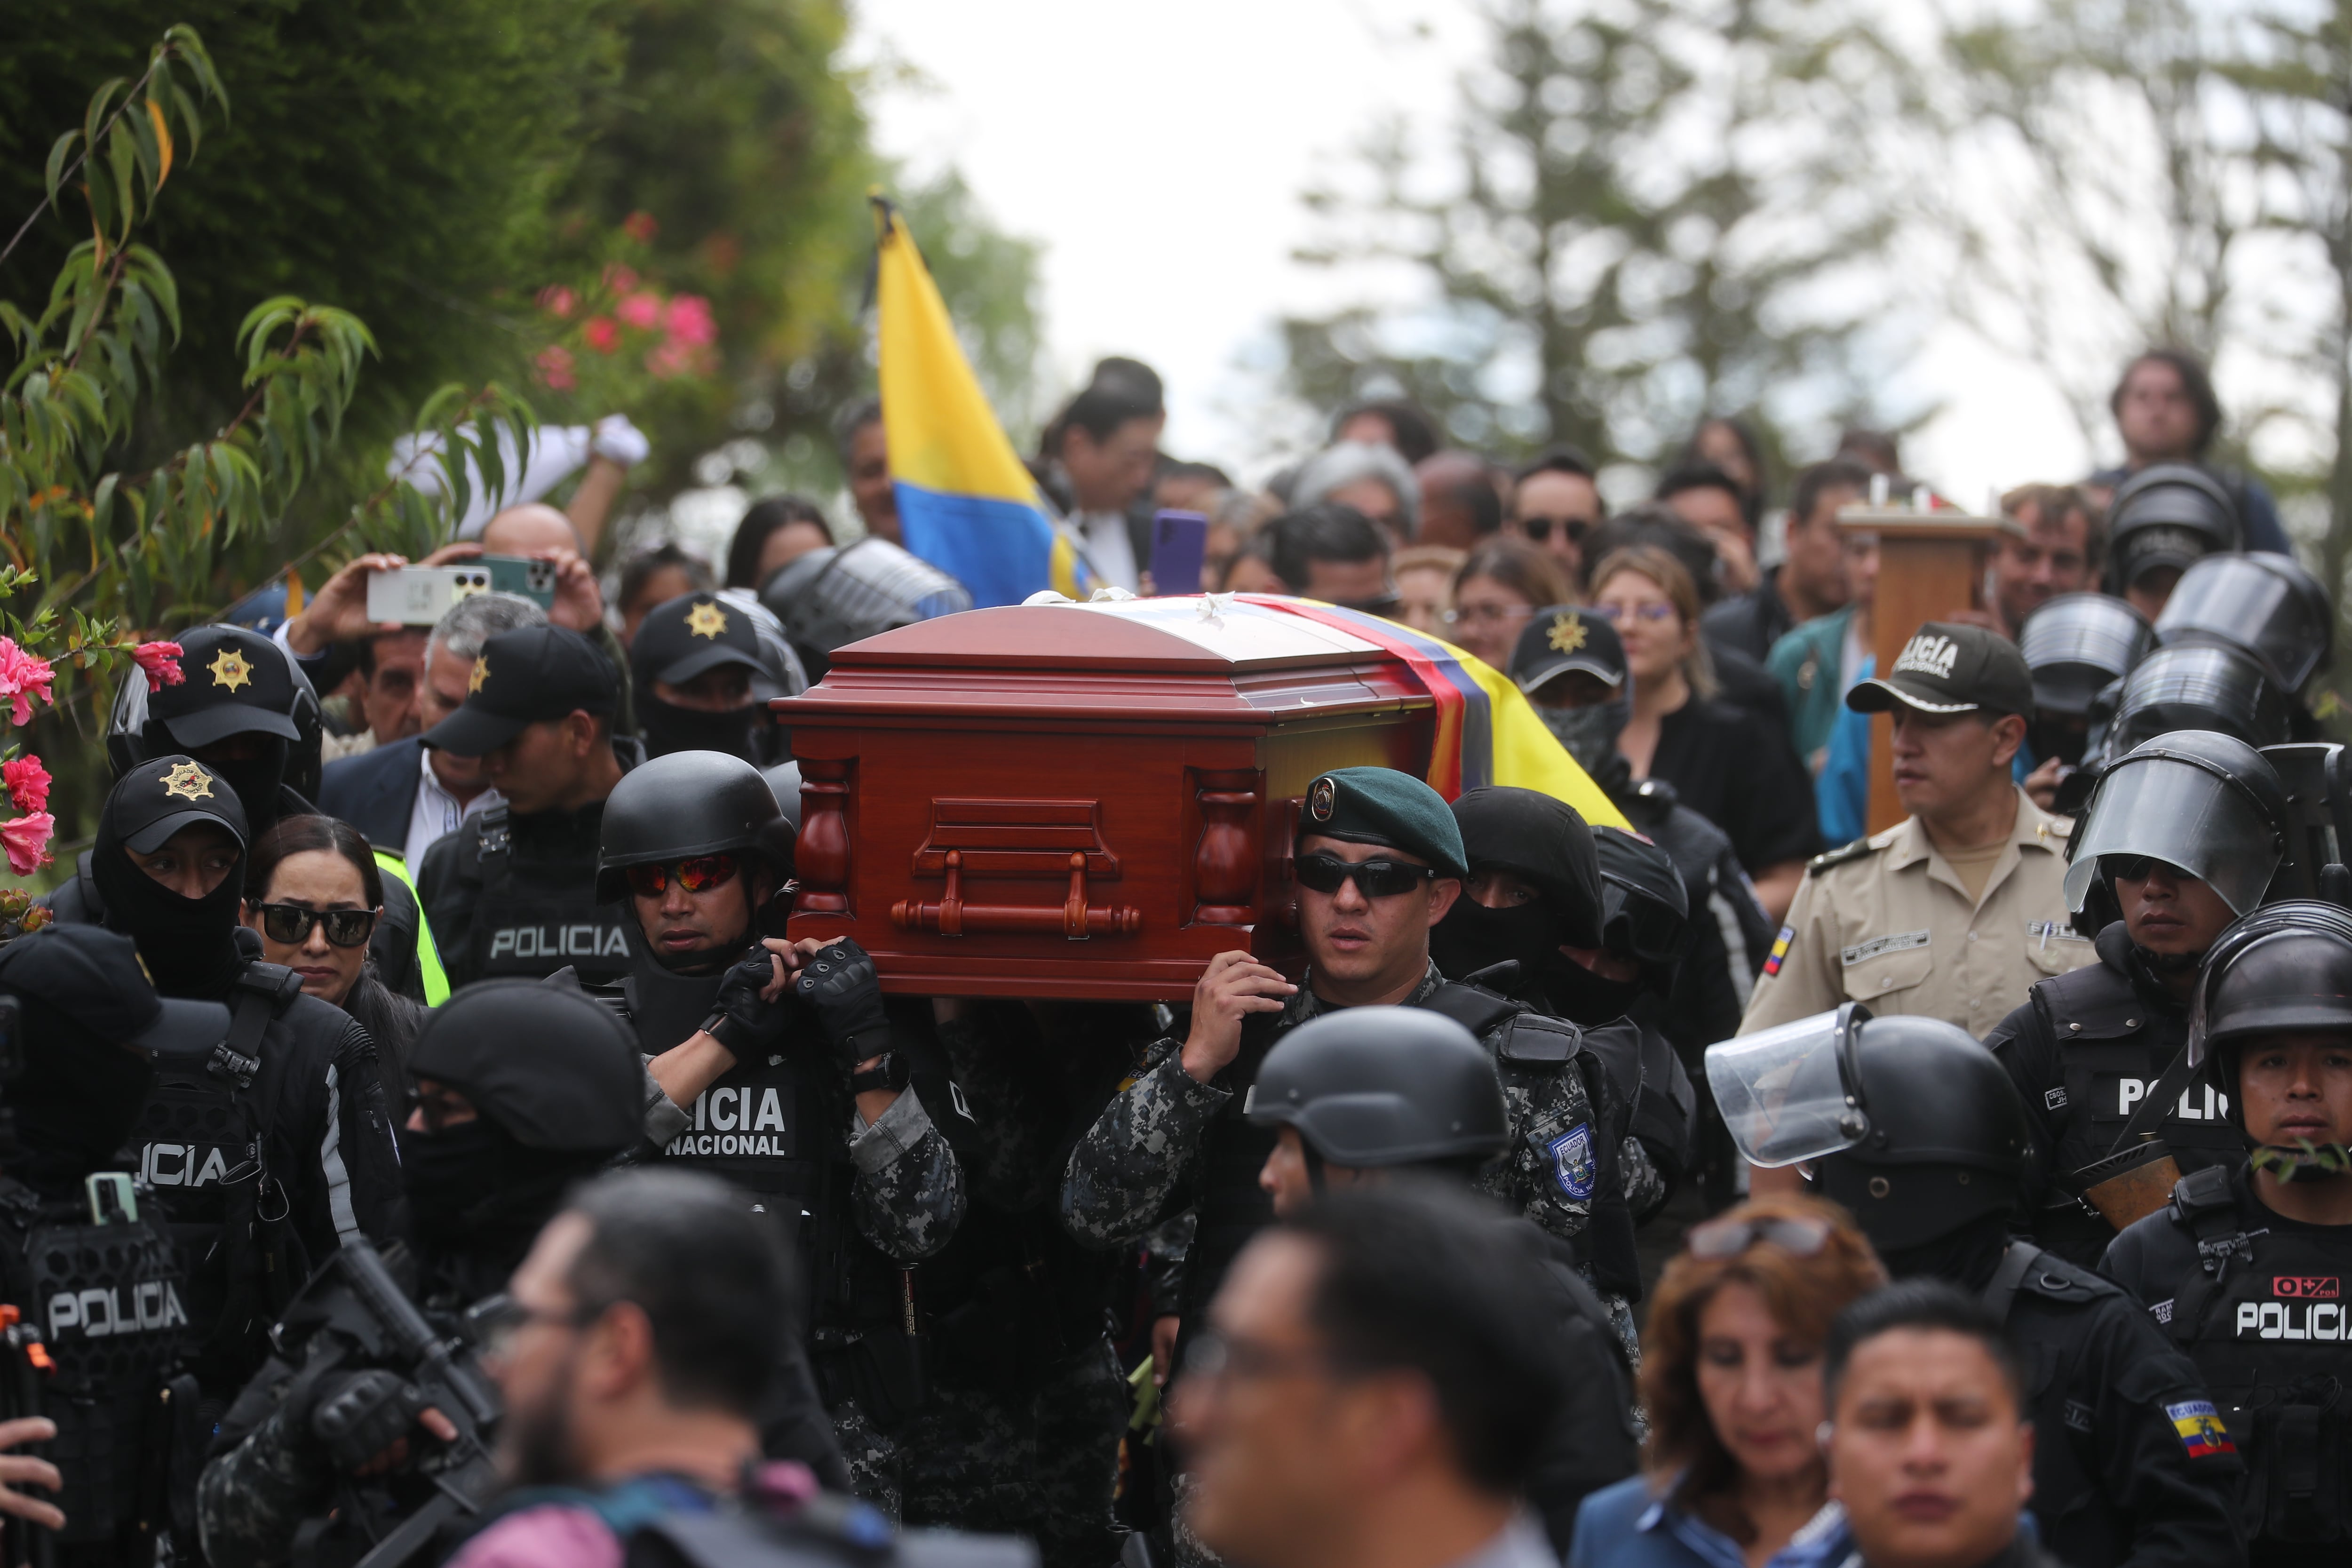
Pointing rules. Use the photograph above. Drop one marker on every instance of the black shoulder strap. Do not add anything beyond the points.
(1474, 1008)
(2164, 1091)
(1536, 1038)
(2002, 1291)
(491, 834)
(2202, 1200)
(264, 992)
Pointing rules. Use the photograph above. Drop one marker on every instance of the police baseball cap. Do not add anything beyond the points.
(1950, 668)
(1384, 807)
(237, 682)
(1564, 638)
(93, 977)
(158, 799)
(684, 636)
(523, 678)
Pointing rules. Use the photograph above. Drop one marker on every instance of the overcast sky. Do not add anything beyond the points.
(1158, 152)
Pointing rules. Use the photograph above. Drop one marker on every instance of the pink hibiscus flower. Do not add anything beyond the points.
(160, 660)
(22, 678)
(26, 839)
(28, 783)
(689, 321)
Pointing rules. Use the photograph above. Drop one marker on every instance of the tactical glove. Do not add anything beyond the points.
(839, 984)
(741, 1019)
(359, 1415)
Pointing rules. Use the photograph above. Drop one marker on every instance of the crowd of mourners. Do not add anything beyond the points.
(425, 1144)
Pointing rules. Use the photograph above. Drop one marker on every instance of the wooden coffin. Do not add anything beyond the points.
(1081, 801)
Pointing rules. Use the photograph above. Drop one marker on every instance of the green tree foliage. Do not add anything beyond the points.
(1651, 211)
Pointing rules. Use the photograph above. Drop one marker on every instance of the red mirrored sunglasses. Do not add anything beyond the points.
(699, 875)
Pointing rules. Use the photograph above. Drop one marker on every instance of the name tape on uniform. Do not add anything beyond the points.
(1880, 946)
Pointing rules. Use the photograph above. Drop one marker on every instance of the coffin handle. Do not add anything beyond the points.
(1075, 918)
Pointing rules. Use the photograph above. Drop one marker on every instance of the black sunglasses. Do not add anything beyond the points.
(1373, 879)
(291, 924)
(1539, 529)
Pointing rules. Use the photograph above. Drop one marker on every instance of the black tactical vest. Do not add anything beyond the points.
(2117, 1043)
(535, 910)
(110, 1304)
(199, 1145)
(2266, 1321)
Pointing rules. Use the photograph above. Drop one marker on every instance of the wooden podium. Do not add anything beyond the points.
(1931, 563)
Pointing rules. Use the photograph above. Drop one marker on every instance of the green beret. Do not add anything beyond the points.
(1381, 806)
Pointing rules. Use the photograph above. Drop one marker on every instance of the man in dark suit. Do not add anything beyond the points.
(399, 796)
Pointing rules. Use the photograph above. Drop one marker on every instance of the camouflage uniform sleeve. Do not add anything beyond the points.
(908, 1195)
(1556, 1160)
(664, 1118)
(251, 1500)
(1645, 1190)
(1165, 1254)
(1127, 1167)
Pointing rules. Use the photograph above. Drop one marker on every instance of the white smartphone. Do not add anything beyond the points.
(421, 596)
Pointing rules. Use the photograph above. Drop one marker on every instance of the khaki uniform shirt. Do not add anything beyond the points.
(1888, 922)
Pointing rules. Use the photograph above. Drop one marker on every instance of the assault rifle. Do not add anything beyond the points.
(370, 1322)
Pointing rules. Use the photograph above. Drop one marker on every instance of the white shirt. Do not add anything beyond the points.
(436, 813)
(1102, 537)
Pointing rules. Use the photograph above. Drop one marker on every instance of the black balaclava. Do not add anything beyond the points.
(257, 780)
(671, 727)
(1581, 996)
(1590, 733)
(1544, 842)
(1966, 1257)
(473, 1190)
(189, 945)
(76, 1102)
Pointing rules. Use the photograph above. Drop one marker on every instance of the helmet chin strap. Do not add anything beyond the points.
(2165, 963)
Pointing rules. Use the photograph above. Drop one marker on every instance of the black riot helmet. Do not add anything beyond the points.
(2285, 967)
(1911, 1124)
(2200, 686)
(1383, 1086)
(2167, 515)
(2205, 803)
(234, 682)
(684, 805)
(833, 597)
(2077, 643)
(1645, 905)
(2265, 605)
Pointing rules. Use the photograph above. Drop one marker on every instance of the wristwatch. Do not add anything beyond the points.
(889, 1071)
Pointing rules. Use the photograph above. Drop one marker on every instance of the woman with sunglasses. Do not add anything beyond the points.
(313, 892)
(1731, 1379)
(1725, 762)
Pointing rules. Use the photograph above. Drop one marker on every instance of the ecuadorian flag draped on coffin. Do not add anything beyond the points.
(965, 503)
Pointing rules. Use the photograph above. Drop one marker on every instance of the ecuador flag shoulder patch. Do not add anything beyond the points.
(2200, 1430)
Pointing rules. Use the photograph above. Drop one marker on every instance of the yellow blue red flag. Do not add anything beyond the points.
(965, 503)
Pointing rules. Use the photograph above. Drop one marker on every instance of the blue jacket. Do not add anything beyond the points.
(375, 792)
(1627, 1526)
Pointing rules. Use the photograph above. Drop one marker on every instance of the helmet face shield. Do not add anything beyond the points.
(2263, 605)
(2076, 644)
(2185, 814)
(2199, 687)
(1783, 1091)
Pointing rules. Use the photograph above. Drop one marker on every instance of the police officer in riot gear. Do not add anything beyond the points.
(809, 1103)
(524, 1089)
(2077, 644)
(80, 1243)
(512, 891)
(837, 594)
(1373, 1092)
(2201, 686)
(276, 1144)
(1913, 1127)
(2178, 840)
(2243, 1270)
(2162, 521)
(2265, 605)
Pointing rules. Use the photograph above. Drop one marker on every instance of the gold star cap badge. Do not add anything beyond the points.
(1567, 633)
(188, 782)
(229, 671)
(473, 682)
(705, 620)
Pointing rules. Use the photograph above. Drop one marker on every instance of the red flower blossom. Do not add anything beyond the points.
(26, 839)
(620, 280)
(557, 300)
(640, 226)
(643, 312)
(554, 363)
(28, 783)
(22, 678)
(689, 321)
(160, 660)
(602, 334)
